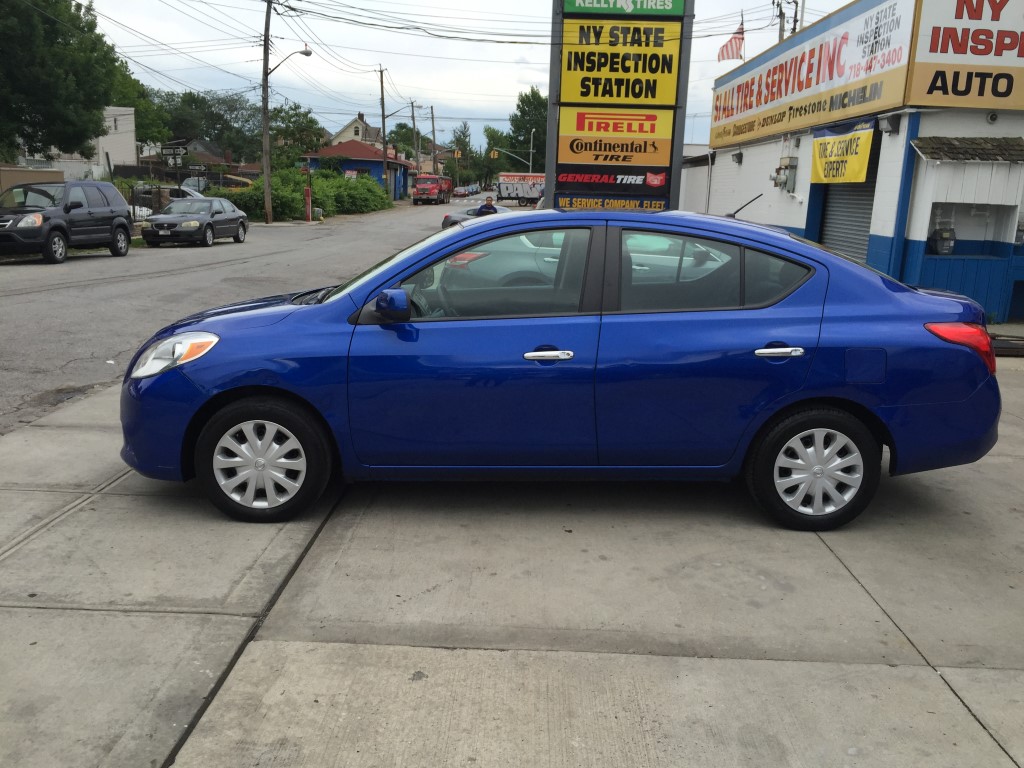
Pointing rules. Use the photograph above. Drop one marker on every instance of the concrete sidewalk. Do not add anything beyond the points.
(503, 625)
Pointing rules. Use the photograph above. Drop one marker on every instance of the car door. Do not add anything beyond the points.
(485, 374)
(702, 336)
(81, 221)
(223, 223)
(100, 213)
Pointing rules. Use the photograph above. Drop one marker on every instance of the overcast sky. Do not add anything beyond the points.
(469, 61)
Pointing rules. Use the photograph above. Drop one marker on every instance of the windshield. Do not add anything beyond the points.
(372, 273)
(33, 196)
(189, 205)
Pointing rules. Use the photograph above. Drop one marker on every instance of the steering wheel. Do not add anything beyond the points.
(445, 300)
(418, 302)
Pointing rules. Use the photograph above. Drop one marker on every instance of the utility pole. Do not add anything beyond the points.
(433, 142)
(268, 214)
(383, 117)
(415, 142)
(782, 20)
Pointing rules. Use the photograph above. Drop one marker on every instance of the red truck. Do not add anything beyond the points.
(429, 188)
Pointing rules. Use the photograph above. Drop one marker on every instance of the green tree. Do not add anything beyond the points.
(402, 137)
(229, 120)
(531, 115)
(293, 132)
(56, 76)
(150, 118)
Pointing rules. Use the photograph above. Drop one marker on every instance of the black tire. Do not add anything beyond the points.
(263, 423)
(208, 237)
(842, 460)
(415, 202)
(55, 249)
(121, 243)
(240, 234)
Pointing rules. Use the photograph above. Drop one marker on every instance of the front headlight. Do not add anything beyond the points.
(190, 224)
(167, 353)
(31, 220)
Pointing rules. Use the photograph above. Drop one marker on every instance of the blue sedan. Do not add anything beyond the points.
(560, 345)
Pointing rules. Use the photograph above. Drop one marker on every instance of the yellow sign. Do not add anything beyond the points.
(616, 62)
(849, 64)
(841, 159)
(605, 136)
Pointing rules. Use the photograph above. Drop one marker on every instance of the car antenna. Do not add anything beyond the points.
(733, 214)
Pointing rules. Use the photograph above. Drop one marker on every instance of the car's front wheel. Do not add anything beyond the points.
(815, 470)
(262, 460)
(208, 238)
(240, 234)
(120, 243)
(55, 249)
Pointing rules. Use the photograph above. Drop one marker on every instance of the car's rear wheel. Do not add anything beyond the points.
(55, 249)
(121, 242)
(240, 234)
(815, 470)
(262, 460)
(208, 236)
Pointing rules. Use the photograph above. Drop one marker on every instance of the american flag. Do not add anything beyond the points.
(733, 48)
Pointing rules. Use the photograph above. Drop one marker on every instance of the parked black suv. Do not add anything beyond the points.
(49, 217)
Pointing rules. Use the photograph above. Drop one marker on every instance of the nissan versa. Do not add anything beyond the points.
(554, 345)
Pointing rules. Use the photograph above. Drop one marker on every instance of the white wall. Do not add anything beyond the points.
(970, 184)
(887, 187)
(734, 184)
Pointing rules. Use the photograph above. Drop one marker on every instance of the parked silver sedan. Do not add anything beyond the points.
(465, 214)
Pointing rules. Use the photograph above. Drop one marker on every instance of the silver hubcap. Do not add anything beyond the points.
(818, 472)
(208, 234)
(241, 232)
(59, 249)
(259, 464)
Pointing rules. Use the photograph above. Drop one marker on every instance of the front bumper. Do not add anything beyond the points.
(172, 235)
(155, 416)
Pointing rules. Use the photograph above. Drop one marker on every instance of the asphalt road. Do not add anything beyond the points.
(71, 328)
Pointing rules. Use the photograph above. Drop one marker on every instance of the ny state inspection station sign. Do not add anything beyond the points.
(620, 84)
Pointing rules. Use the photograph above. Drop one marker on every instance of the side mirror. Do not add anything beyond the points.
(72, 205)
(393, 306)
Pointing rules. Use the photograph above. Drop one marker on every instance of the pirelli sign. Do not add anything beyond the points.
(621, 95)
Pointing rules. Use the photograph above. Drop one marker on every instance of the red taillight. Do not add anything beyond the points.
(463, 260)
(969, 335)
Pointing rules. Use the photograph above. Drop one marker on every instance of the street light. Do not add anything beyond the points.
(532, 131)
(268, 215)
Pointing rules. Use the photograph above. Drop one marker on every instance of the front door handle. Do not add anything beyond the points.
(550, 354)
(780, 352)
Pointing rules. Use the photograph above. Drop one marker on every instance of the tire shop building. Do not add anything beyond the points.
(891, 131)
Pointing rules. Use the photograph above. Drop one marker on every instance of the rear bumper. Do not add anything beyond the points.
(939, 435)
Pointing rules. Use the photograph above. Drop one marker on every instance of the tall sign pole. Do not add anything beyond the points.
(616, 117)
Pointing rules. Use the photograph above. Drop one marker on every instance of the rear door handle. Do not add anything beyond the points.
(779, 352)
(550, 354)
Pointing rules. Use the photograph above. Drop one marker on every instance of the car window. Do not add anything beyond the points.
(671, 273)
(95, 198)
(526, 274)
(767, 278)
(218, 207)
(189, 205)
(666, 272)
(33, 196)
(77, 195)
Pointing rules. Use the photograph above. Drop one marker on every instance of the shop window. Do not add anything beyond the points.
(968, 229)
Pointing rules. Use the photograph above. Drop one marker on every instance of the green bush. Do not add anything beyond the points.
(331, 192)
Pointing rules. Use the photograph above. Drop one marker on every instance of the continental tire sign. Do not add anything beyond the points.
(622, 71)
